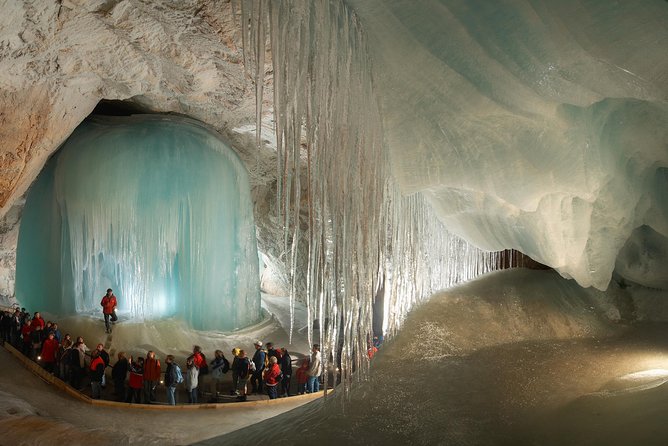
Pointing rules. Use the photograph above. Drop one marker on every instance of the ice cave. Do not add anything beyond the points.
(493, 172)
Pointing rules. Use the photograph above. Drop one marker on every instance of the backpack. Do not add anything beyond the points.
(226, 365)
(245, 370)
(178, 376)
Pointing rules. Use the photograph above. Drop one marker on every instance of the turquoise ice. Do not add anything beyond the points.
(157, 208)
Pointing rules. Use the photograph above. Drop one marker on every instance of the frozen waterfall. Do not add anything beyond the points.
(157, 208)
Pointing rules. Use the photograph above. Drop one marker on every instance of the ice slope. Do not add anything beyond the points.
(514, 357)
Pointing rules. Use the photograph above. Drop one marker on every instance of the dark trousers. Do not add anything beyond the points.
(111, 316)
(272, 391)
(285, 385)
(119, 389)
(256, 382)
(134, 396)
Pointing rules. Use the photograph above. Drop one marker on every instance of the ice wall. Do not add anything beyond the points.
(157, 208)
(535, 125)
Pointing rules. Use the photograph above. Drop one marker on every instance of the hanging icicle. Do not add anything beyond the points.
(335, 193)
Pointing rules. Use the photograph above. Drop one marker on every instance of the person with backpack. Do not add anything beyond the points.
(219, 367)
(243, 369)
(258, 364)
(173, 377)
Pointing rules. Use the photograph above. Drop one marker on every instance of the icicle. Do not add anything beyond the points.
(348, 230)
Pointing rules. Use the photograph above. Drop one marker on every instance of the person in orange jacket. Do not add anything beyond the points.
(151, 376)
(108, 304)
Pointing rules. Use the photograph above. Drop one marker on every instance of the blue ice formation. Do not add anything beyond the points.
(157, 208)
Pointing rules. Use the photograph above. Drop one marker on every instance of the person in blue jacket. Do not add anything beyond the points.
(258, 360)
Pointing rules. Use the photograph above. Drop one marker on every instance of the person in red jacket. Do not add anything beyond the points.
(37, 320)
(49, 350)
(272, 376)
(136, 381)
(109, 309)
(302, 376)
(151, 376)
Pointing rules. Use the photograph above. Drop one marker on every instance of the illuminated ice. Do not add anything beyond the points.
(157, 208)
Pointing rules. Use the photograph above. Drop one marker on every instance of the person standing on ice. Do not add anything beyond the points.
(173, 376)
(314, 371)
(152, 371)
(108, 304)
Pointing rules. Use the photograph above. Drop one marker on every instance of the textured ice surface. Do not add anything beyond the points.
(156, 208)
(535, 125)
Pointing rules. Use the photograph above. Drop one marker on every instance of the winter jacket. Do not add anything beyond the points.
(302, 375)
(105, 357)
(49, 350)
(96, 369)
(25, 333)
(192, 374)
(199, 360)
(258, 360)
(316, 365)
(171, 375)
(272, 375)
(120, 370)
(108, 304)
(219, 367)
(152, 369)
(286, 365)
(136, 380)
(37, 321)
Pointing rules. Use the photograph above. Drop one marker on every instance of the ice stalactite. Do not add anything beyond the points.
(335, 190)
(157, 208)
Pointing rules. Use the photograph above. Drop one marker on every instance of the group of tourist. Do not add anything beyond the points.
(136, 379)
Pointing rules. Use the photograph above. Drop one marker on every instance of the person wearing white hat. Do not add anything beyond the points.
(258, 360)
